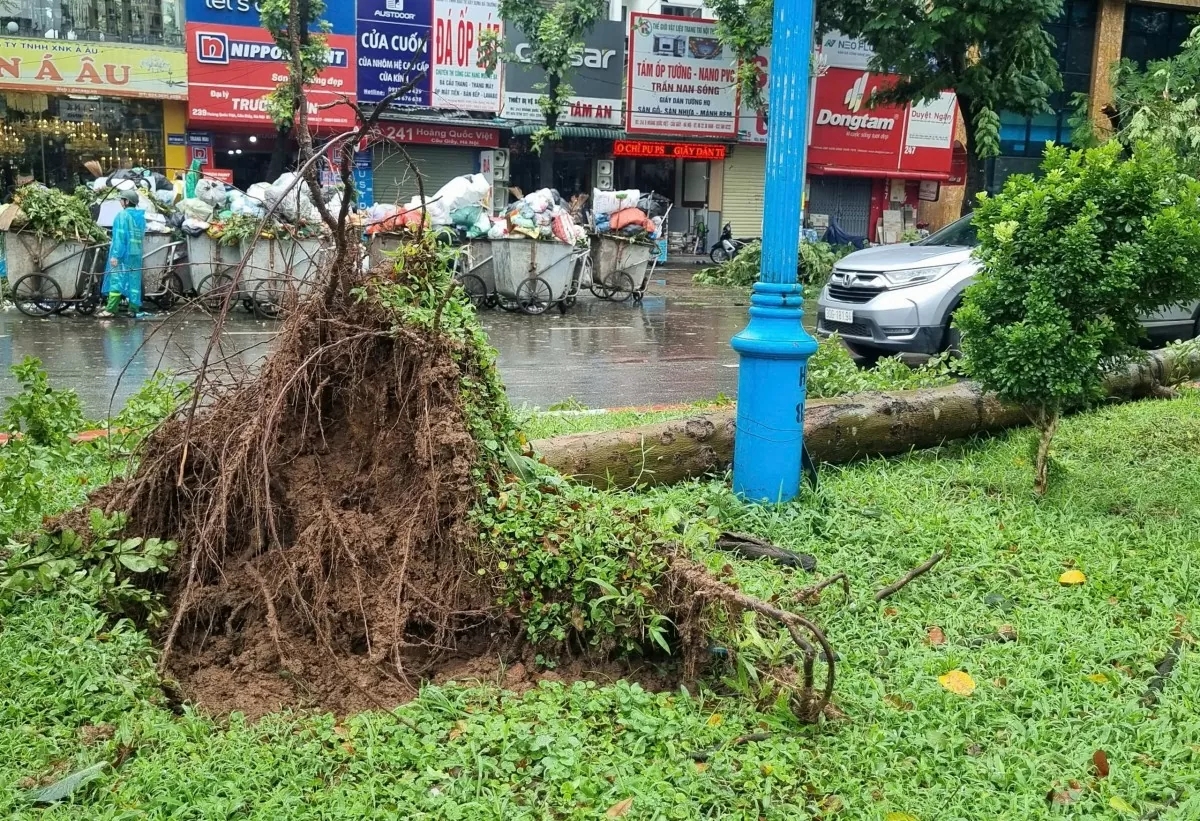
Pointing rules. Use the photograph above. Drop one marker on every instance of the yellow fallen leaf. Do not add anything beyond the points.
(714, 719)
(620, 808)
(1121, 805)
(1072, 577)
(767, 769)
(899, 816)
(957, 682)
(1098, 678)
(701, 766)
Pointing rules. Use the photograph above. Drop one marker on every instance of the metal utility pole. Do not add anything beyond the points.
(774, 348)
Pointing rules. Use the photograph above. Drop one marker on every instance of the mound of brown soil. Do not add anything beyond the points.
(321, 508)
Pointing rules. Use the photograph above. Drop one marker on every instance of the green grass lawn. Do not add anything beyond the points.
(1124, 508)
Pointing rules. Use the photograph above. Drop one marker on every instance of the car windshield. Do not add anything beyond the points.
(960, 233)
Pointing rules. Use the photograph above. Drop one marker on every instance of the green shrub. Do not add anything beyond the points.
(816, 264)
(832, 371)
(1070, 261)
(39, 413)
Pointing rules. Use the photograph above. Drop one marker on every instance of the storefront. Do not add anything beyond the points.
(439, 152)
(868, 168)
(233, 64)
(66, 103)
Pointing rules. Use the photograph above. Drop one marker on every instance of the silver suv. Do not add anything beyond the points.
(900, 298)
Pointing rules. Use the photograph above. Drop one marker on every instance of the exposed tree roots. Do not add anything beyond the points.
(323, 511)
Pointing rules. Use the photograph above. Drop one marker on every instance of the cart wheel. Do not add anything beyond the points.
(270, 299)
(87, 306)
(600, 289)
(534, 295)
(37, 295)
(621, 286)
(476, 290)
(172, 289)
(214, 290)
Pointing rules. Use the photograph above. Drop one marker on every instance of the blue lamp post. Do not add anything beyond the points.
(774, 348)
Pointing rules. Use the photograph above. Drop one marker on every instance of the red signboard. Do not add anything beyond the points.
(231, 68)
(426, 134)
(685, 151)
(848, 135)
(218, 174)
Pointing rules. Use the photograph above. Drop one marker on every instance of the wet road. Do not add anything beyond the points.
(673, 347)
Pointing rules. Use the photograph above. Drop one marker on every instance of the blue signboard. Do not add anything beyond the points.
(364, 178)
(393, 49)
(338, 13)
(175, 139)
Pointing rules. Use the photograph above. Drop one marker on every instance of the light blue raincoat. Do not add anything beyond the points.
(129, 228)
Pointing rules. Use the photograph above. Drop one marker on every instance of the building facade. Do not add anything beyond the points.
(90, 81)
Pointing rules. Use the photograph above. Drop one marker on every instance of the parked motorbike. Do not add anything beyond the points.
(727, 246)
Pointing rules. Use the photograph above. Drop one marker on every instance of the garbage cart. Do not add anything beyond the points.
(621, 267)
(532, 275)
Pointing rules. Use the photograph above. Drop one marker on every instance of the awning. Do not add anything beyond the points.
(590, 132)
(878, 173)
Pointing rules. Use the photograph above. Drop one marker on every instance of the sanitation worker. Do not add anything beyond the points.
(123, 273)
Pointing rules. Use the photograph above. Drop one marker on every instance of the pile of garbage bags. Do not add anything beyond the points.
(629, 213)
(198, 204)
(464, 204)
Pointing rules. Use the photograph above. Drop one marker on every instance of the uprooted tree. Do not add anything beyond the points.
(361, 509)
(1071, 261)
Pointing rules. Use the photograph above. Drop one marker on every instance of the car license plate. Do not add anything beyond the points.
(838, 315)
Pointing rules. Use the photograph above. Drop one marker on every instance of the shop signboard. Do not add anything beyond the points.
(849, 134)
(596, 79)
(103, 69)
(681, 79)
(364, 177)
(436, 134)
(339, 15)
(393, 50)
(231, 68)
(836, 50)
(432, 45)
(459, 80)
(644, 149)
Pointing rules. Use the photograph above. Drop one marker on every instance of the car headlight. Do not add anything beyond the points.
(916, 276)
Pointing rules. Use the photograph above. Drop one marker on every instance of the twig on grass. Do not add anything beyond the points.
(909, 576)
(809, 592)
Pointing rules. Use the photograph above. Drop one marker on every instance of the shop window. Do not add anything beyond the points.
(695, 184)
(1153, 33)
(52, 137)
(681, 11)
(150, 22)
(655, 176)
(1074, 34)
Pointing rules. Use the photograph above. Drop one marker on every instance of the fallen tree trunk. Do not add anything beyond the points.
(835, 430)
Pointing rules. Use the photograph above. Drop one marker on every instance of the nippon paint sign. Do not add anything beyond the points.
(595, 80)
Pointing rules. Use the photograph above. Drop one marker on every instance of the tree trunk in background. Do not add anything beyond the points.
(279, 154)
(546, 170)
(835, 430)
(976, 166)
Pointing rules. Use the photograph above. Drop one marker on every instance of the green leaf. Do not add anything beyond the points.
(67, 786)
(136, 563)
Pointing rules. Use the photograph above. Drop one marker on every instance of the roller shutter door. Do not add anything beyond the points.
(847, 200)
(742, 200)
(395, 182)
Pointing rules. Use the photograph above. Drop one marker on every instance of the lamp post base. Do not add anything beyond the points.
(774, 350)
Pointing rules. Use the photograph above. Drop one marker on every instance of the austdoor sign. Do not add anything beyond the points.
(393, 50)
(595, 81)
